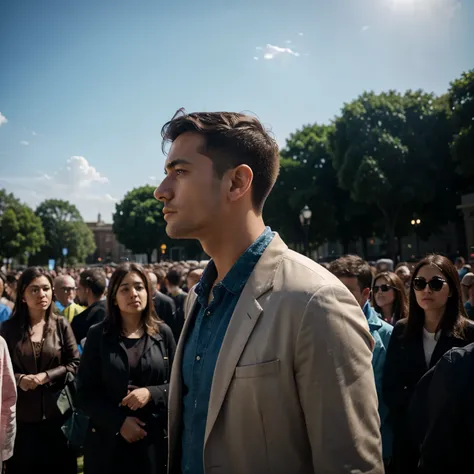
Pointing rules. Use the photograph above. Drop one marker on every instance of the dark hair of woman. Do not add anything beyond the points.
(20, 315)
(113, 318)
(454, 318)
(400, 304)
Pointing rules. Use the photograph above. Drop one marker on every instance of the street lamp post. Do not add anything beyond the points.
(305, 219)
(416, 223)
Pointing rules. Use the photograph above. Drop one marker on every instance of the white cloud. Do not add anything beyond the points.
(3, 119)
(365, 28)
(24, 143)
(34, 133)
(78, 173)
(300, 34)
(288, 41)
(271, 51)
(77, 181)
(256, 58)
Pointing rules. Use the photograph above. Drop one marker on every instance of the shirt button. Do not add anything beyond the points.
(198, 358)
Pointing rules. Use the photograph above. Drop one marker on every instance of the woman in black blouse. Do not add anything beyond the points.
(43, 350)
(123, 380)
(436, 323)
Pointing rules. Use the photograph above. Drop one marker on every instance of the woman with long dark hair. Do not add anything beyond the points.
(43, 350)
(389, 298)
(436, 323)
(123, 379)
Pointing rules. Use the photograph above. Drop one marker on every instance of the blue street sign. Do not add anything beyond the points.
(51, 264)
(65, 251)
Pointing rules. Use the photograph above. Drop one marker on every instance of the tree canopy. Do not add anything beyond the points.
(22, 232)
(65, 229)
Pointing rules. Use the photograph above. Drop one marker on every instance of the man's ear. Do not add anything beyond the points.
(366, 293)
(241, 179)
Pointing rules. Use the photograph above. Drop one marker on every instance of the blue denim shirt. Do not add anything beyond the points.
(381, 332)
(203, 344)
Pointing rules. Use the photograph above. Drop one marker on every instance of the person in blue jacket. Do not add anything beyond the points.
(356, 274)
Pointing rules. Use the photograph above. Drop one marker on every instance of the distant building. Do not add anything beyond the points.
(108, 248)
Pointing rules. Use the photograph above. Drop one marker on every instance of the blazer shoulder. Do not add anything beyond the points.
(298, 272)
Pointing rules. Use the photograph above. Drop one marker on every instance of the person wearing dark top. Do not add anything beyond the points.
(173, 282)
(164, 305)
(122, 384)
(90, 293)
(467, 284)
(436, 323)
(446, 447)
(43, 351)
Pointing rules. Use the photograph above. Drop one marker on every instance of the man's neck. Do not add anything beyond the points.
(91, 301)
(227, 245)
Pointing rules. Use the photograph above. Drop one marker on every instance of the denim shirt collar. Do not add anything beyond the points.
(238, 275)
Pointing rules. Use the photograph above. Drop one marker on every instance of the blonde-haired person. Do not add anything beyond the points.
(8, 396)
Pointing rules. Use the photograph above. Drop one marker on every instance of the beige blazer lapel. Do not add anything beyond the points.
(175, 394)
(242, 323)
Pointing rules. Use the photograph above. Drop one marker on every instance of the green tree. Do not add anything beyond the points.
(138, 222)
(65, 228)
(307, 176)
(461, 101)
(21, 231)
(391, 152)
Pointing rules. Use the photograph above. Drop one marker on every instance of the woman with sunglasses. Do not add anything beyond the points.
(389, 298)
(436, 323)
(122, 383)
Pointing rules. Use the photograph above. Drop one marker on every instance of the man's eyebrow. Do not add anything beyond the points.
(174, 163)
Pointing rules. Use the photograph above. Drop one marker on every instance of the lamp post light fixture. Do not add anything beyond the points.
(416, 223)
(305, 219)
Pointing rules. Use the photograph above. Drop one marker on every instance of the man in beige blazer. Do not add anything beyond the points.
(272, 372)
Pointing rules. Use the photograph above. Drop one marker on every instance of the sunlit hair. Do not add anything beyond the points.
(21, 316)
(230, 140)
(400, 303)
(113, 319)
(454, 319)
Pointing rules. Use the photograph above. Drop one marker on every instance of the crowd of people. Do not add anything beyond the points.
(416, 316)
(261, 362)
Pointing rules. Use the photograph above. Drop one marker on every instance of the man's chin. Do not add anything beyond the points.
(178, 233)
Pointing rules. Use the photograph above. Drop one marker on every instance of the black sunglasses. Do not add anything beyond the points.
(382, 288)
(435, 284)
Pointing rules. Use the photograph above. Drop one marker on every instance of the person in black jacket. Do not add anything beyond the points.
(446, 448)
(90, 292)
(436, 323)
(122, 383)
(164, 305)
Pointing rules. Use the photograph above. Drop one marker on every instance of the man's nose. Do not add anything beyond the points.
(163, 192)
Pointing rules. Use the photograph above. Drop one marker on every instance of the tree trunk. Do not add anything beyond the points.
(390, 232)
(345, 245)
(365, 250)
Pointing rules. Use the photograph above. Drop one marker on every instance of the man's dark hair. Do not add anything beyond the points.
(352, 266)
(460, 260)
(174, 277)
(95, 280)
(231, 140)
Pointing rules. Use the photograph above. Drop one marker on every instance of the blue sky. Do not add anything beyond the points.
(85, 86)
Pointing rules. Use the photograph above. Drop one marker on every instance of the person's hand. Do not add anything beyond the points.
(137, 398)
(132, 429)
(28, 382)
(41, 378)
